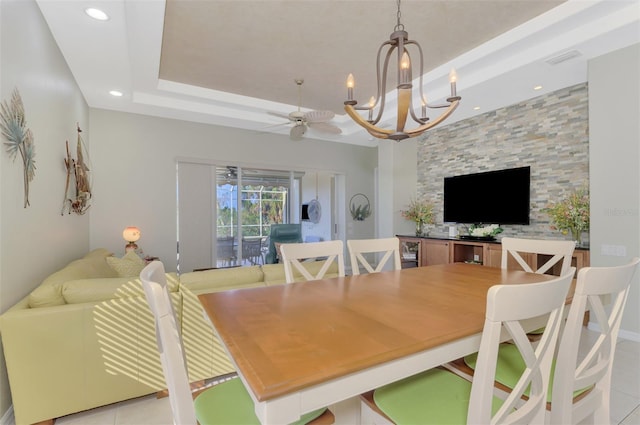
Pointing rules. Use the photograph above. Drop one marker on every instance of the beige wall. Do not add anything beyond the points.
(614, 128)
(37, 239)
(134, 159)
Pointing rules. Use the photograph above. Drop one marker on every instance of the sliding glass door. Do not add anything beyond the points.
(225, 212)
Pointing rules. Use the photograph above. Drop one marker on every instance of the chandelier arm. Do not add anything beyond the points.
(419, 130)
(422, 98)
(382, 84)
(378, 135)
(350, 110)
(439, 105)
(381, 133)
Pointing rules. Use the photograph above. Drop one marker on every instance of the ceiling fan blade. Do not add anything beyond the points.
(279, 115)
(297, 131)
(319, 116)
(274, 126)
(325, 127)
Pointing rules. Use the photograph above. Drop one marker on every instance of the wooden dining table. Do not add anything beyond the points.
(302, 346)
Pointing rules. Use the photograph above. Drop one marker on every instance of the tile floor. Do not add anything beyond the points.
(625, 398)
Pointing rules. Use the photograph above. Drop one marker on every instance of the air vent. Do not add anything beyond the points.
(562, 57)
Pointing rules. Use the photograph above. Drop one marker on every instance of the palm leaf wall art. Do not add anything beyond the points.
(79, 200)
(18, 138)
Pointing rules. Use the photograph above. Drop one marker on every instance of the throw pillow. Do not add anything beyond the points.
(130, 265)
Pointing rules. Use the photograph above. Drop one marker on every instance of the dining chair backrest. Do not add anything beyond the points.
(507, 306)
(594, 370)
(388, 247)
(169, 342)
(294, 254)
(252, 250)
(560, 252)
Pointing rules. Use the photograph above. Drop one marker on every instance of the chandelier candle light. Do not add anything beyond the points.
(399, 41)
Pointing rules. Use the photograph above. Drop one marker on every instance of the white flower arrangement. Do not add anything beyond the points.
(484, 231)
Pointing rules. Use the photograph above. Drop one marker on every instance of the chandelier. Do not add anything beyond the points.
(400, 43)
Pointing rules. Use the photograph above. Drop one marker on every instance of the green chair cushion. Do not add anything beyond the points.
(510, 367)
(228, 403)
(436, 396)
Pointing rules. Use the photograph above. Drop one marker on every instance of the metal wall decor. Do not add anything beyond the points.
(18, 138)
(79, 200)
(360, 207)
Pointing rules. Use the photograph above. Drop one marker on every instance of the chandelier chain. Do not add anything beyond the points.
(399, 26)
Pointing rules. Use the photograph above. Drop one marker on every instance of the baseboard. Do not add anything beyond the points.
(8, 418)
(628, 335)
(631, 336)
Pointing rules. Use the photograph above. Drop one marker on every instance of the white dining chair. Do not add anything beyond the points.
(439, 396)
(581, 388)
(295, 254)
(560, 252)
(389, 248)
(593, 372)
(225, 403)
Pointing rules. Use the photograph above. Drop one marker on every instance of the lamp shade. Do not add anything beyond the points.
(131, 234)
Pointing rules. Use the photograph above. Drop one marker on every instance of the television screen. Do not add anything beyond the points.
(494, 197)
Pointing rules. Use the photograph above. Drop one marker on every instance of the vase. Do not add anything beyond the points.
(419, 228)
(577, 236)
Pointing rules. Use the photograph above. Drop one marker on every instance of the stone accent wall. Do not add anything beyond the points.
(548, 133)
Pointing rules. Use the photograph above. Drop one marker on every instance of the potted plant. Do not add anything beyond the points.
(571, 215)
(488, 232)
(420, 212)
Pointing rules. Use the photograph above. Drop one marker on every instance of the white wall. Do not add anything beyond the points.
(614, 157)
(38, 239)
(397, 183)
(134, 158)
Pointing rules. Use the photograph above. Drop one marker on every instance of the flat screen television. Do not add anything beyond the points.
(493, 197)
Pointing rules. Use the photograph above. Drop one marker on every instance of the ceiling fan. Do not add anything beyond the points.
(317, 120)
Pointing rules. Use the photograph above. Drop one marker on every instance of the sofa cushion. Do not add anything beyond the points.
(98, 258)
(102, 289)
(49, 293)
(222, 279)
(98, 253)
(274, 273)
(130, 265)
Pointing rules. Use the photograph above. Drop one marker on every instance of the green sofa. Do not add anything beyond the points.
(85, 336)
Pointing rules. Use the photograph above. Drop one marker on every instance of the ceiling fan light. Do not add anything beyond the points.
(297, 131)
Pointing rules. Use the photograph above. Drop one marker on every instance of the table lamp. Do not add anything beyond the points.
(131, 234)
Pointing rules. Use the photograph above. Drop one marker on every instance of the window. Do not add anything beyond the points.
(265, 198)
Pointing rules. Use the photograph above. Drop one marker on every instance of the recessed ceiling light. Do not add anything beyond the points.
(476, 108)
(97, 14)
(116, 93)
(537, 88)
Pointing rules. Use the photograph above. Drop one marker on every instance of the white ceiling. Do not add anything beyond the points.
(230, 62)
